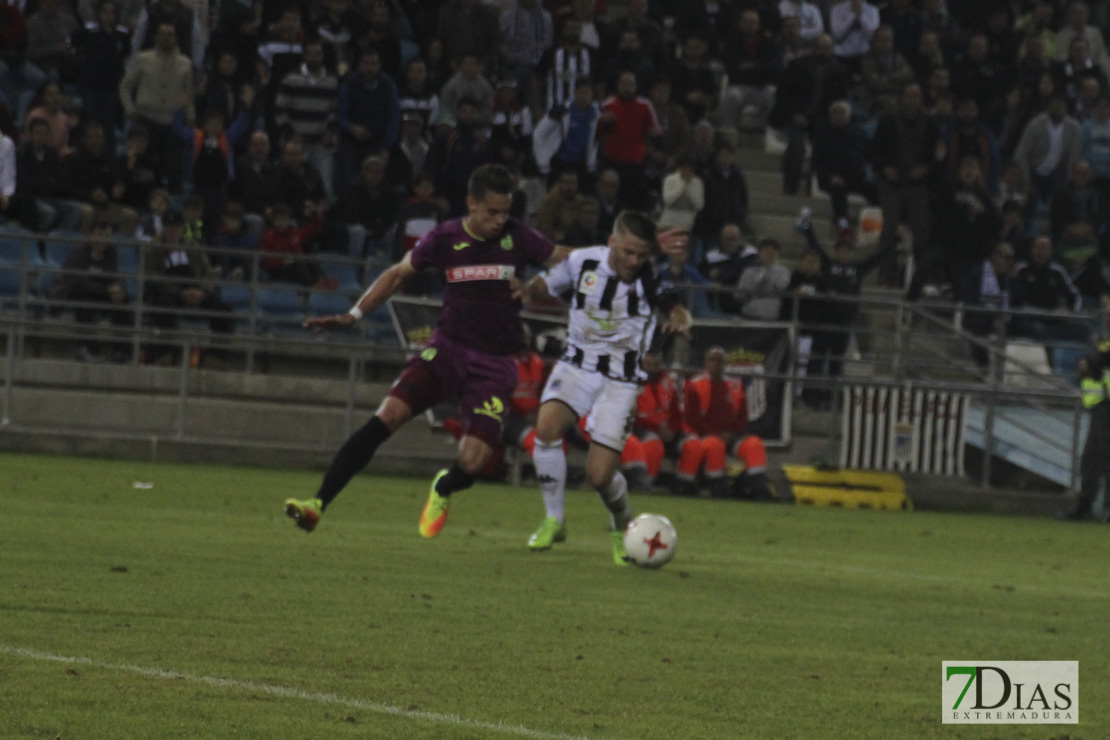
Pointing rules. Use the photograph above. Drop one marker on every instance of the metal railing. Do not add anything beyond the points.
(910, 347)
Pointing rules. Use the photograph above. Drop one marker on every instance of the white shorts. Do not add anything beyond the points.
(610, 404)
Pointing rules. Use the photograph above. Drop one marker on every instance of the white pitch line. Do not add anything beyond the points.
(285, 692)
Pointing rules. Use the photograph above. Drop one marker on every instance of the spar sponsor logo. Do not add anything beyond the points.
(480, 272)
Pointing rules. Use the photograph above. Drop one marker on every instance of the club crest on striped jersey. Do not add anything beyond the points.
(589, 282)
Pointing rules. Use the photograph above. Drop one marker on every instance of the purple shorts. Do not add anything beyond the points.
(482, 382)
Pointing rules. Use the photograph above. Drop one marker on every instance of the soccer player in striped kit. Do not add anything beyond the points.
(614, 298)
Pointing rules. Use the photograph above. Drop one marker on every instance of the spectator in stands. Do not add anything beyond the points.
(368, 113)
(852, 23)
(977, 76)
(692, 81)
(663, 153)
(17, 74)
(647, 29)
(469, 26)
(378, 35)
(176, 281)
(926, 57)
(559, 207)
(659, 426)
(844, 275)
(1042, 283)
(335, 22)
(811, 23)
(726, 196)
(1078, 218)
(511, 128)
(211, 152)
(968, 225)
(807, 285)
(279, 53)
(716, 410)
(91, 277)
(193, 213)
(905, 149)
(840, 162)
(626, 123)
(368, 210)
(305, 107)
(987, 285)
(1033, 63)
(1076, 68)
(41, 180)
(47, 106)
(100, 51)
(905, 21)
(884, 71)
(284, 247)
(678, 275)
(1048, 150)
(753, 63)
(456, 153)
(417, 216)
(559, 70)
(220, 89)
(1083, 107)
(467, 83)
(683, 197)
(439, 68)
(151, 93)
(586, 12)
(189, 29)
(233, 235)
(762, 284)
(629, 57)
(150, 226)
(1095, 146)
(417, 96)
(90, 178)
(1002, 39)
(725, 263)
(584, 232)
(48, 33)
(569, 140)
(408, 156)
(296, 184)
(807, 87)
(10, 206)
(973, 138)
(527, 31)
(254, 182)
(709, 20)
(608, 192)
(138, 170)
(1077, 27)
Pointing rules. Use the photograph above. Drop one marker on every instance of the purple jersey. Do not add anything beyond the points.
(478, 307)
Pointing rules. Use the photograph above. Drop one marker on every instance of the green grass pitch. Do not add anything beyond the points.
(195, 609)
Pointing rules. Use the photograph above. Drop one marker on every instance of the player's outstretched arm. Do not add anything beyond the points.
(557, 256)
(388, 283)
(534, 289)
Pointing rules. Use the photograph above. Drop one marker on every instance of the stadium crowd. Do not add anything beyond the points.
(352, 126)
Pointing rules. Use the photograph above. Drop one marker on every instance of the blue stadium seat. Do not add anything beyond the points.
(348, 274)
(326, 304)
(281, 309)
(59, 244)
(12, 241)
(236, 296)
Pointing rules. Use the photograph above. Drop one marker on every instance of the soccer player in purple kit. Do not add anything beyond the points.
(472, 351)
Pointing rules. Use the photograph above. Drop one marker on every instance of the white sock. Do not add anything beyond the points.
(615, 496)
(551, 471)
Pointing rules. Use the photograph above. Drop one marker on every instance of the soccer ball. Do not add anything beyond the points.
(650, 541)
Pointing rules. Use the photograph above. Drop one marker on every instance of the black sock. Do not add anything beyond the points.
(352, 457)
(456, 479)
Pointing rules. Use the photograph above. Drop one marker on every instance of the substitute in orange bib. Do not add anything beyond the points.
(659, 426)
(717, 412)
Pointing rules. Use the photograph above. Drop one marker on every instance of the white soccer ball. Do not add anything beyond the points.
(650, 541)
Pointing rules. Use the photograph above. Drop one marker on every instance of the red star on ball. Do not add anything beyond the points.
(654, 544)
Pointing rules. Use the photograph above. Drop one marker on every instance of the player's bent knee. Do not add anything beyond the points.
(394, 413)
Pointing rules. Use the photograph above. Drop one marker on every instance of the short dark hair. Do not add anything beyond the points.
(282, 210)
(768, 242)
(639, 225)
(490, 178)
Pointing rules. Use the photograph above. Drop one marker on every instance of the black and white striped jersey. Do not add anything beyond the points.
(611, 322)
